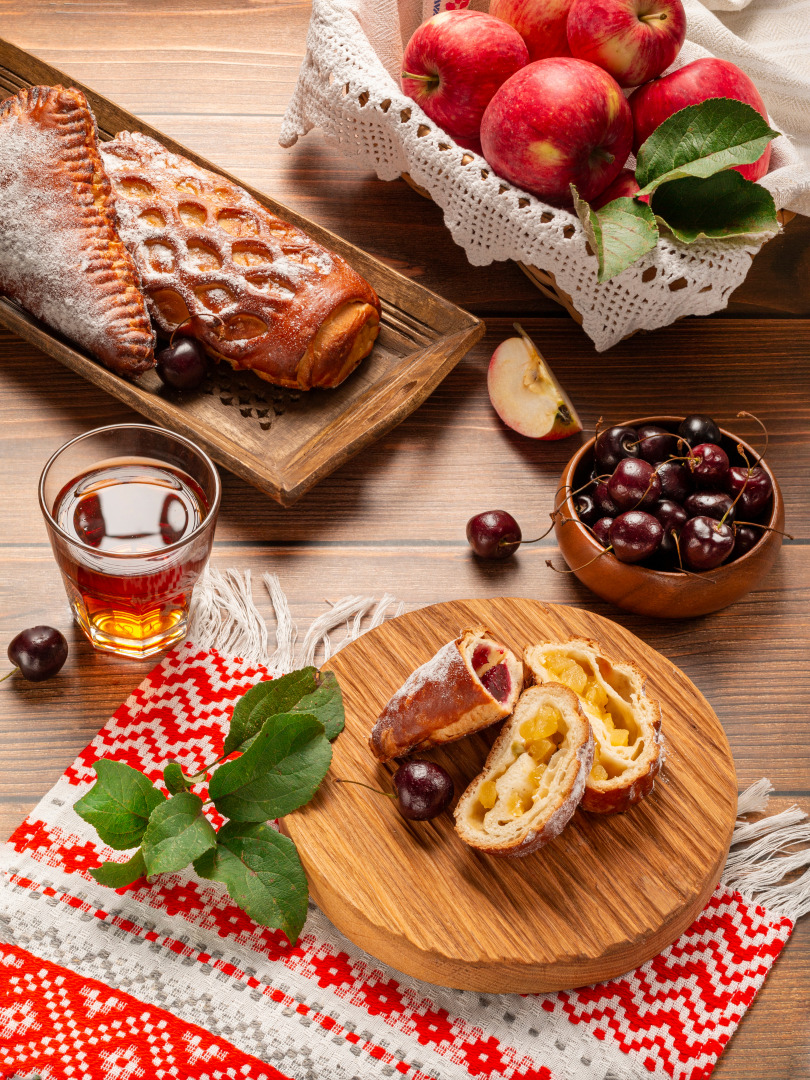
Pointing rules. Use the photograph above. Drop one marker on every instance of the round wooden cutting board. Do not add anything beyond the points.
(607, 895)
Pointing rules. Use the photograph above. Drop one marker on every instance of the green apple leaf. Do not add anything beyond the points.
(119, 804)
(262, 873)
(279, 772)
(619, 233)
(177, 833)
(266, 699)
(723, 205)
(702, 140)
(116, 875)
(175, 779)
(325, 704)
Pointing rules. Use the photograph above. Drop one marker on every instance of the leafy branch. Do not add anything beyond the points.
(687, 185)
(282, 731)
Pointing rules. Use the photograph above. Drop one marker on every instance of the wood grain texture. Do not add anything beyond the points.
(604, 897)
(216, 77)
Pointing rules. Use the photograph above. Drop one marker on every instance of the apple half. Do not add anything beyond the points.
(525, 394)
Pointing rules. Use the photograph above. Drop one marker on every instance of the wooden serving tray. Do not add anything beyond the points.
(607, 895)
(283, 442)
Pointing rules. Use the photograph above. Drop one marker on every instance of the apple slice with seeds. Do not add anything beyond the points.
(525, 394)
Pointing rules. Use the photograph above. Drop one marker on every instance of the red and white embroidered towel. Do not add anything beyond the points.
(173, 980)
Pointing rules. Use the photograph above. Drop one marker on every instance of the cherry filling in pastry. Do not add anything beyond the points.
(490, 667)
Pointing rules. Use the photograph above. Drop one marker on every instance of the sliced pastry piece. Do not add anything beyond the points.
(470, 683)
(626, 722)
(61, 257)
(534, 776)
(264, 296)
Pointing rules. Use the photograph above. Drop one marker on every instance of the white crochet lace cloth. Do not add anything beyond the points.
(349, 86)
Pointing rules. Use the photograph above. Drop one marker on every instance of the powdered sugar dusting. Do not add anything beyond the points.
(434, 673)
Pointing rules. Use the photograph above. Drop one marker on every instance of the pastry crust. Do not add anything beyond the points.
(445, 699)
(61, 257)
(631, 769)
(264, 296)
(552, 797)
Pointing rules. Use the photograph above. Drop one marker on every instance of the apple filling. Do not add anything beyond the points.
(528, 775)
(489, 663)
(605, 698)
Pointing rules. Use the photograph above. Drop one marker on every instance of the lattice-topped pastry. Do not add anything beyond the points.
(61, 257)
(285, 307)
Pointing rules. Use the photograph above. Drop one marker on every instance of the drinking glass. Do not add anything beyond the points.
(130, 511)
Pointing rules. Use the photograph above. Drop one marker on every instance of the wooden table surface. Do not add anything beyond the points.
(217, 77)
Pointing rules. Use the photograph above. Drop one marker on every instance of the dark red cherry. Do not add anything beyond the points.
(635, 535)
(676, 480)
(756, 489)
(713, 504)
(601, 530)
(709, 465)
(698, 429)
(672, 515)
(705, 543)
(586, 508)
(656, 443)
(88, 520)
(745, 537)
(634, 483)
(603, 501)
(423, 789)
(182, 365)
(38, 652)
(494, 534)
(614, 444)
(497, 681)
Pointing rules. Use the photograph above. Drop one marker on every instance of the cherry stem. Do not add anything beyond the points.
(359, 783)
(8, 674)
(764, 429)
(756, 525)
(191, 318)
(576, 569)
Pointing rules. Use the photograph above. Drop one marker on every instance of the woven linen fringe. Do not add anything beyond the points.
(224, 616)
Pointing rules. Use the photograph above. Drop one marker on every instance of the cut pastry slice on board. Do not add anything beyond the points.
(626, 722)
(61, 257)
(470, 683)
(534, 776)
(263, 295)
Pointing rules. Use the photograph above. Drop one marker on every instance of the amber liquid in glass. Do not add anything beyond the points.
(134, 587)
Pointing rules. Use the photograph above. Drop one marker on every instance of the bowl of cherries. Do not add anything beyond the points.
(669, 516)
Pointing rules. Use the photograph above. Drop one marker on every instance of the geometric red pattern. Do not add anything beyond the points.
(61, 1025)
(672, 1017)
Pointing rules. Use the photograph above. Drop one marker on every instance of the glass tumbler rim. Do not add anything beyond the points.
(125, 555)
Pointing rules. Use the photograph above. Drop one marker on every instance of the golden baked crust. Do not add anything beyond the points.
(61, 257)
(444, 699)
(293, 312)
(631, 769)
(529, 809)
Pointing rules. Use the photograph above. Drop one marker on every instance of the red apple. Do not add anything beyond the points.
(455, 62)
(541, 24)
(623, 187)
(525, 394)
(634, 40)
(696, 82)
(555, 123)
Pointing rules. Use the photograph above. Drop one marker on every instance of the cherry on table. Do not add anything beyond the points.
(614, 444)
(755, 485)
(705, 543)
(676, 480)
(494, 534)
(38, 652)
(713, 504)
(635, 535)
(424, 789)
(182, 365)
(656, 443)
(634, 483)
(709, 465)
(697, 429)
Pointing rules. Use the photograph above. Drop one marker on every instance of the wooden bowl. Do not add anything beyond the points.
(659, 593)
